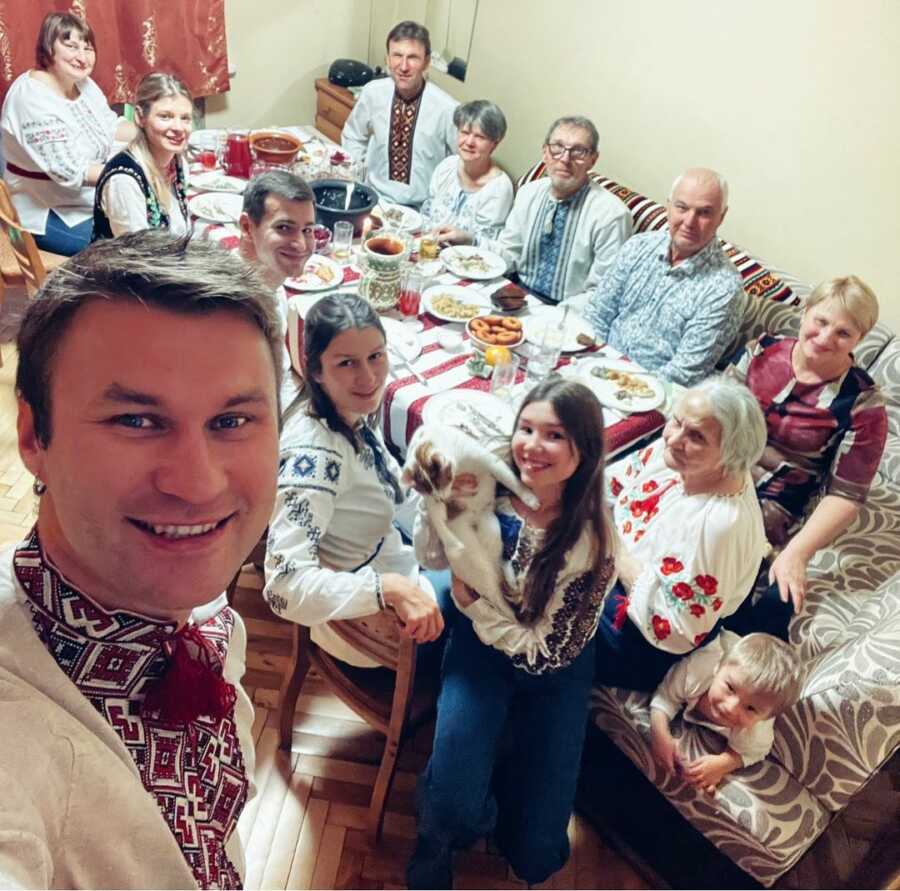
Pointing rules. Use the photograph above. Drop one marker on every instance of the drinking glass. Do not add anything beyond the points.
(343, 238)
(503, 378)
(411, 282)
(207, 159)
(546, 354)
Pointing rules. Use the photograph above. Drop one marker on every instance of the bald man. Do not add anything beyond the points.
(672, 300)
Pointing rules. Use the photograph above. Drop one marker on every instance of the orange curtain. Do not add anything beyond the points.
(134, 37)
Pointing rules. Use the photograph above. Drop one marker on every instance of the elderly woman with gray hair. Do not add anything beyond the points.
(469, 192)
(691, 534)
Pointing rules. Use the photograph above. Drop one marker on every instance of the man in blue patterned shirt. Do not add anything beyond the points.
(672, 300)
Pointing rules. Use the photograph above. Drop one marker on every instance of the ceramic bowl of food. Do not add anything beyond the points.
(274, 146)
(488, 331)
(341, 199)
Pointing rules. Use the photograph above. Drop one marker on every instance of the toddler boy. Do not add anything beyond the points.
(734, 685)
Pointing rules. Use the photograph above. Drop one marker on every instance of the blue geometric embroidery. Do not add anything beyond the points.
(304, 465)
(333, 471)
(299, 513)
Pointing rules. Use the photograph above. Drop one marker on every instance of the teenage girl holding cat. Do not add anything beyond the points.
(332, 550)
(517, 672)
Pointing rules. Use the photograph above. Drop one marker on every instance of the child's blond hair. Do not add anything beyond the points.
(771, 668)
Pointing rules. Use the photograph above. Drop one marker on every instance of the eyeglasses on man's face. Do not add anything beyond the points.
(576, 152)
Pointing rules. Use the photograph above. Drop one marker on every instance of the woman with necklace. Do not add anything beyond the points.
(517, 673)
(144, 187)
(826, 429)
(469, 192)
(57, 132)
(690, 532)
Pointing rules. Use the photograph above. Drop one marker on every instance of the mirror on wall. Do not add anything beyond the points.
(450, 23)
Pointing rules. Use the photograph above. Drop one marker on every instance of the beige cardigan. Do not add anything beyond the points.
(73, 810)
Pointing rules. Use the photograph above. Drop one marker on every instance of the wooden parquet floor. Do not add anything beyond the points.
(305, 827)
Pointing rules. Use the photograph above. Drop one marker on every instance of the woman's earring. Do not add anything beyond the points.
(38, 487)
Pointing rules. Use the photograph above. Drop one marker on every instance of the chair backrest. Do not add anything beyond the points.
(21, 241)
(376, 636)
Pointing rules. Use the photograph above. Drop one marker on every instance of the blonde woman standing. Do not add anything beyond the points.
(144, 187)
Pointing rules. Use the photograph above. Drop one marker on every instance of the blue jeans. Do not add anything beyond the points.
(506, 755)
(58, 238)
(428, 656)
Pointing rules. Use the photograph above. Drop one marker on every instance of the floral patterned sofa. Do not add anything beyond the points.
(832, 747)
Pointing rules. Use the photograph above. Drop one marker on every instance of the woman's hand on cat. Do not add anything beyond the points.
(463, 594)
(416, 610)
(465, 484)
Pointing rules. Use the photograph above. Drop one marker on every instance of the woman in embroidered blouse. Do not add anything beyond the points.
(57, 132)
(144, 187)
(523, 666)
(333, 551)
(470, 196)
(826, 430)
(691, 534)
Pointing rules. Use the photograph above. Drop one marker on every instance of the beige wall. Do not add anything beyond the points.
(279, 48)
(795, 101)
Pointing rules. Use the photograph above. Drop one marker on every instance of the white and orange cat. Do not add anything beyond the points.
(465, 524)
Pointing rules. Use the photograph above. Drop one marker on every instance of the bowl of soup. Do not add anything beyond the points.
(340, 199)
(274, 146)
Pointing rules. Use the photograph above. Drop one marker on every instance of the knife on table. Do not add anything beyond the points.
(404, 362)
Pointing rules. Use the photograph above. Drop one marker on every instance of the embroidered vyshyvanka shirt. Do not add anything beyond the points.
(48, 134)
(572, 613)
(331, 535)
(583, 241)
(401, 146)
(674, 320)
(701, 553)
(197, 773)
(827, 437)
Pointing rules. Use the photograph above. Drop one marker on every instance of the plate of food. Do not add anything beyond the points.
(216, 207)
(319, 274)
(476, 263)
(396, 216)
(482, 414)
(488, 331)
(539, 318)
(213, 181)
(453, 303)
(622, 385)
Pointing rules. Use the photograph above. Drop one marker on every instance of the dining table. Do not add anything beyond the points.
(432, 376)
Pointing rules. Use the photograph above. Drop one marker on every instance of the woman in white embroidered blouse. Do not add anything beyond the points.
(522, 667)
(332, 550)
(690, 531)
(57, 132)
(145, 186)
(469, 193)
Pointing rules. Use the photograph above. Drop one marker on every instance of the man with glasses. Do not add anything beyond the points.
(563, 231)
(402, 126)
(672, 300)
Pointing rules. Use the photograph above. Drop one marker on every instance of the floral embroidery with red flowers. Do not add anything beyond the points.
(717, 603)
(650, 486)
(671, 565)
(683, 591)
(697, 610)
(638, 535)
(707, 584)
(615, 487)
(699, 638)
(661, 627)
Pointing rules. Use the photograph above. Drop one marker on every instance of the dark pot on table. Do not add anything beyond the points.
(331, 199)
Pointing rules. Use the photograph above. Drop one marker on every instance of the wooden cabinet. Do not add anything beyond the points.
(333, 104)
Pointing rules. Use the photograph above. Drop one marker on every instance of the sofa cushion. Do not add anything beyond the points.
(847, 721)
(648, 216)
(760, 817)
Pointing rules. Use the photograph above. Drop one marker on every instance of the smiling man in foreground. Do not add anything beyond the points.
(148, 414)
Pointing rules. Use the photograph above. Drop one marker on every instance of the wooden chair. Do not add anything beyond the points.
(257, 557)
(21, 263)
(388, 705)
